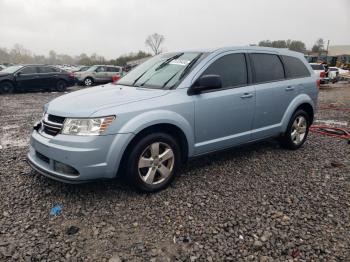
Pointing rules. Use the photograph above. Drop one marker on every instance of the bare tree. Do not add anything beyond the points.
(154, 42)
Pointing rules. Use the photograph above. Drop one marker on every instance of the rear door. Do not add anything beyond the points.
(28, 78)
(47, 77)
(273, 94)
(113, 71)
(223, 117)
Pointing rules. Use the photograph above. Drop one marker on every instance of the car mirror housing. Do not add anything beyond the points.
(206, 82)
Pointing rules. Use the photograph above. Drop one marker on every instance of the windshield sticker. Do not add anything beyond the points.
(180, 62)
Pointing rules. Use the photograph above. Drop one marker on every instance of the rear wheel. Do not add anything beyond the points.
(88, 81)
(6, 88)
(153, 162)
(61, 86)
(297, 131)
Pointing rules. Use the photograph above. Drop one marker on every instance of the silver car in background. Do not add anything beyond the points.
(97, 74)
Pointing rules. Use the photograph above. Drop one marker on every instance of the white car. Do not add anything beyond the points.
(319, 70)
(343, 71)
(333, 74)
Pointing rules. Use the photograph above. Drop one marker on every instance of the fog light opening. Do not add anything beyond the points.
(65, 169)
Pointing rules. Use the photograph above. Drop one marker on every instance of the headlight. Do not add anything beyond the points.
(86, 126)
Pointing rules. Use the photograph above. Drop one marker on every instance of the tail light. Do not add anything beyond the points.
(322, 74)
(318, 83)
(115, 78)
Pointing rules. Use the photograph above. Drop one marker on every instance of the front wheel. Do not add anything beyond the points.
(88, 81)
(153, 162)
(6, 88)
(297, 131)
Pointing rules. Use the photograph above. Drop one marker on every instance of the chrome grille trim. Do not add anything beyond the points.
(51, 128)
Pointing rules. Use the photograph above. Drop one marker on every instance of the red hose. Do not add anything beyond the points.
(330, 131)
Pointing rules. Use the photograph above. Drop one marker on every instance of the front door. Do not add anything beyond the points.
(223, 117)
(28, 78)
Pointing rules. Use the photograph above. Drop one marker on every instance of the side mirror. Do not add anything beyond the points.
(206, 82)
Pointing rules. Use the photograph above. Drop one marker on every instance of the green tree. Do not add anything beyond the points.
(318, 46)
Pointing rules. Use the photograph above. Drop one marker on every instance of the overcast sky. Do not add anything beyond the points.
(111, 28)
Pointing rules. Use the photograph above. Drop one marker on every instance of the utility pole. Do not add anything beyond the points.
(327, 52)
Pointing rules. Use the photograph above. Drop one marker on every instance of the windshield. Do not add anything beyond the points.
(162, 71)
(11, 69)
(84, 68)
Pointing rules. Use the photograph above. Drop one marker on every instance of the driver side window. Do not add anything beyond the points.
(29, 70)
(231, 68)
(100, 69)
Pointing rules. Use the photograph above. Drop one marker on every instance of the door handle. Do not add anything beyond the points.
(290, 88)
(247, 95)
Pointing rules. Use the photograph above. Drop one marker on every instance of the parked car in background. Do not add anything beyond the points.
(34, 77)
(81, 69)
(2, 67)
(320, 71)
(333, 74)
(97, 74)
(343, 71)
(173, 107)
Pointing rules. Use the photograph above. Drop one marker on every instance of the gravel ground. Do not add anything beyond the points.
(255, 203)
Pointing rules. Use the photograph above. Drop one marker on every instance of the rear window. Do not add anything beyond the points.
(294, 67)
(113, 69)
(317, 67)
(267, 68)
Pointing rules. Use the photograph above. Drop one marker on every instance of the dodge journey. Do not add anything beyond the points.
(173, 107)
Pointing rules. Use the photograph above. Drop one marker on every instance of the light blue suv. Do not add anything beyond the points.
(173, 107)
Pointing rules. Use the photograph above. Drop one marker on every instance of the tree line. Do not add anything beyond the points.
(20, 55)
(294, 45)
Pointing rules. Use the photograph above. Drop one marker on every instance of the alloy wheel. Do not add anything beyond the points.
(156, 163)
(88, 82)
(298, 131)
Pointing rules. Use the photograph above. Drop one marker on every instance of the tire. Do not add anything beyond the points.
(154, 173)
(6, 88)
(61, 86)
(88, 81)
(297, 131)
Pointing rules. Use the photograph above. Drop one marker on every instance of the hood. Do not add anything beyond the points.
(3, 74)
(84, 103)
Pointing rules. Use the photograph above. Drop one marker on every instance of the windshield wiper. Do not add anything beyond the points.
(166, 62)
(189, 66)
(166, 82)
(137, 79)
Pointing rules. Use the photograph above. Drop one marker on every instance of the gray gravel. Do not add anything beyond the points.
(255, 203)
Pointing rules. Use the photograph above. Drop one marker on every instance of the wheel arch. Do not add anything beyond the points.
(167, 128)
(303, 102)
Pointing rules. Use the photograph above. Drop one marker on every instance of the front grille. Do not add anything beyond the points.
(56, 119)
(52, 124)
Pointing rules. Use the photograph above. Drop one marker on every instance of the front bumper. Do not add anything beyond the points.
(93, 157)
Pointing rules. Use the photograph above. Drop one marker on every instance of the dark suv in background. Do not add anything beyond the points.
(34, 77)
